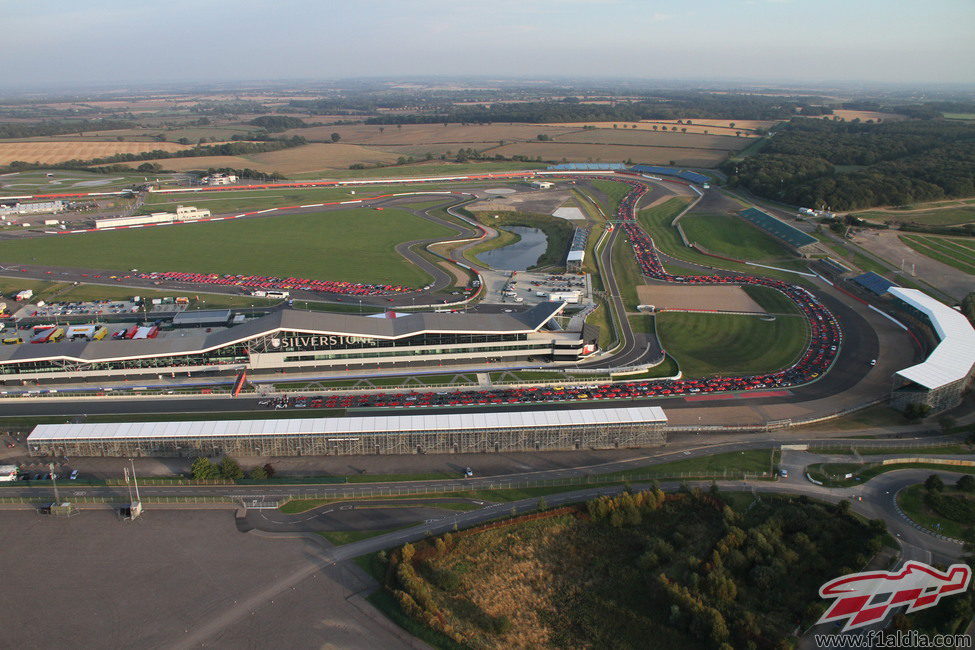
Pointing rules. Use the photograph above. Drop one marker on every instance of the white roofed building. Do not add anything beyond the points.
(525, 430)
(943, 376)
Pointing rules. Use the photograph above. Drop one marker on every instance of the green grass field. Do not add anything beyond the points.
(355, 245)
(712, 344)
(614, 192)
(772, 301)
(657, 221)
(248, 200)
(732, 237)
(958, 252)
(943, 217)
(912, 502)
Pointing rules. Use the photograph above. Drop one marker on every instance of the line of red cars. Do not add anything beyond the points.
(825, 338)
(263, 282)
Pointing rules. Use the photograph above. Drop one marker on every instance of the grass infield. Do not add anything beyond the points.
(732, 237)
(710, 344)
(355, 245)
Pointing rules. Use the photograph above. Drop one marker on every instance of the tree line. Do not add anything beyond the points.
(892, 164)
(57, 127)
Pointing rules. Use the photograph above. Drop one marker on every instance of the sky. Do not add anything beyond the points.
(67, 43)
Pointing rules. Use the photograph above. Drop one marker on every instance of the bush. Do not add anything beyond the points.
(230, 469)
(204, 469)
(258, 474)
(934, 484)
(966, 483)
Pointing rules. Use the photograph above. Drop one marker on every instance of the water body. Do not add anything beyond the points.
(520, 255)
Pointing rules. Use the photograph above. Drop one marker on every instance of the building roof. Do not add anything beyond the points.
(289, 320)
(209, 317)
(877, 284)
(346, 426)
(954, 356)
(787, 233)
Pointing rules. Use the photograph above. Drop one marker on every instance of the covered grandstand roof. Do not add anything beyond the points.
(693, 177)
(345, 426)
(291, 320)
(773, 226)
(953, 358)
(585, 167)
(874, 283)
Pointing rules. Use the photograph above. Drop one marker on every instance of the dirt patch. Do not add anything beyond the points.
(460, 279)
(707, 298)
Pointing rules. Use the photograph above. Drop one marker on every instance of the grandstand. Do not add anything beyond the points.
(577, 250)
(875, 284)
(939, 380)
(693, 177)
(381, 434)
(586, 167)
(792, 236)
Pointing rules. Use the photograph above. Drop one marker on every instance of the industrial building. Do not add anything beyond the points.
(219, 179)
(577, 250)
(390, 434)
(542, 185)
(291, 340)
(183, 213)
(15, 208)
(943, 376)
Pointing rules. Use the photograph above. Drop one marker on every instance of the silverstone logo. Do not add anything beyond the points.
(867, 597)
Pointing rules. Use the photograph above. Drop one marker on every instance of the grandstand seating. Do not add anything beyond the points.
(693, 177)
(585, 167)
(789, 234)
(873, 283)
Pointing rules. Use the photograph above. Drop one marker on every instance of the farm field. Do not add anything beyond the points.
(958, 252)
(458, 135)
(703, 126)
(307, 158)
(863, 116)
(60, 151)
(723, 344)
(645, 138)
(732, 237)
(558, 151)
(355, 245)
(615, 573)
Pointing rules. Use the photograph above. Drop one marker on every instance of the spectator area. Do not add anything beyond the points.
(876, 284)
(586, 167)
(693, 177)
(789, 234)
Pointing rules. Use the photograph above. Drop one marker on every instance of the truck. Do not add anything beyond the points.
(259, 294)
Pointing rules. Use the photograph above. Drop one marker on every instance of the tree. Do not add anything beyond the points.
(731, 125)
(683, 129)
(934, 483)
(382, 128)
(258, 473)
(203, 469)
(916, 412)
(966, 483)
(269, 469)
(230, 469)
(544, 137)
(335, 137)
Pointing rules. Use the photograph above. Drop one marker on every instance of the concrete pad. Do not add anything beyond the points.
(570, 213)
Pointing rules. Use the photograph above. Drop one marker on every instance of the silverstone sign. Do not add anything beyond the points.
(322, 342)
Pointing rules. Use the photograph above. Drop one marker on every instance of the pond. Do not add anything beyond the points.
(520, 255)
